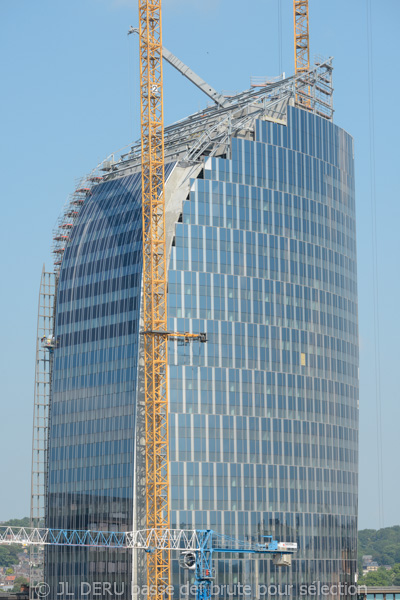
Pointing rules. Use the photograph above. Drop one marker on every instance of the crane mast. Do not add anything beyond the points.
(154, 289)
(301, 36)
(301, 45)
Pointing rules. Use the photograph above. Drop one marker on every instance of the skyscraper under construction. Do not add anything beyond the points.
(260, 217)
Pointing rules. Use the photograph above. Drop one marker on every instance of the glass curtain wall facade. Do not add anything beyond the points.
(93, 409)
(264, 416)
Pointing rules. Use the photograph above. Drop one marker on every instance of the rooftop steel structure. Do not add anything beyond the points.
(208, 131)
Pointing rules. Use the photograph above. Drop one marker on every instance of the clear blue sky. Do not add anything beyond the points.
(69, 80)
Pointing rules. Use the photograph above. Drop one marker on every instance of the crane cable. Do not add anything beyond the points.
(280, 37)
(375, 282)
(131, 92)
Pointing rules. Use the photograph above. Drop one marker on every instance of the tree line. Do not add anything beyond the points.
(382, 544)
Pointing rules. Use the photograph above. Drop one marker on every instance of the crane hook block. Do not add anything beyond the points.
(187, 560)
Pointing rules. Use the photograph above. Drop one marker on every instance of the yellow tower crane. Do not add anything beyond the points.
(301, 45)
(154, 289)
(155, 293)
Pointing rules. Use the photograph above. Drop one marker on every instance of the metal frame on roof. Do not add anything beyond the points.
(207, 132)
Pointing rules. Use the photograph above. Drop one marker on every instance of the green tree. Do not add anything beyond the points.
(381, 577)
(395, 572)
(9, 555)
(24, 522)
(20, 580)
(382, 544)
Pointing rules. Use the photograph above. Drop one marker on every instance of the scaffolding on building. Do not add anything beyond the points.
(67, 220)
(45, 344)
(263, 80)
(315, 90)
(41, 415)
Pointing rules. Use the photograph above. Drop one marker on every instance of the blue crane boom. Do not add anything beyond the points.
(196, 546)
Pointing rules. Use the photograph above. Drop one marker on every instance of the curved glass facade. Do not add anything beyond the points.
(93, 408)
(264, 417)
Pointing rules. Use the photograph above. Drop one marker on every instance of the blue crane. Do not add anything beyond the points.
(200, 560)
(196, 546)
